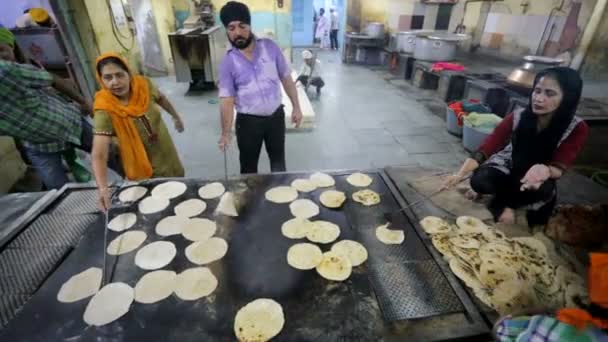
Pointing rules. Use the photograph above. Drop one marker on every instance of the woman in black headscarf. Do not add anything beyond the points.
(529, 150)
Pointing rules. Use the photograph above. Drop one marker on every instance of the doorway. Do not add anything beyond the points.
(304, 13)
(444, 14)
(302, 17)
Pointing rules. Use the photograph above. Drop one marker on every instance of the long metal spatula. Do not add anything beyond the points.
(389, 217)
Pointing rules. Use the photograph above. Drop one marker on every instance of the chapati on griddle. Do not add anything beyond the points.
(366, 197)
(171, 225)
(304, 185)
(126, 242)
(322, 180)
(199, 229)
(132, 194)
(195, 283)
(304, 256)
(359, 180)
(323, 232)
(332, 198)
(389, 236)
(156, 255)
(169, 190)
(190, 208)
(80, 286)
(151, 205)
(155, 286)
(353, 250)
(109, 304)
(207, 251)
(334, 266)
(281, 194)
(122, 222)
(296, 228)
(259, 320)
(304, 208)
(227, 206)
(434, 225)
(211, 190)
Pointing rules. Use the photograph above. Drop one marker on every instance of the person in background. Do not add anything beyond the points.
(251, 75)
(310, 73)
(587, 323)
(333, 34)
(520, 162)
(35, 17)
(315, 21)
(322, 32)
(31, 111)
(126, 108)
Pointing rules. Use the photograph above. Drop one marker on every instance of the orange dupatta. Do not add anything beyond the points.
(598, 294)
(132, 152)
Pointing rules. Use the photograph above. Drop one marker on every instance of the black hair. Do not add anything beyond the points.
(111, 60)
(530, 146)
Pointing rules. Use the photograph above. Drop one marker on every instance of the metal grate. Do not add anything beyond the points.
(413, 290)
(9, 306)
(54, 230)
(24, 269)
(78, 202)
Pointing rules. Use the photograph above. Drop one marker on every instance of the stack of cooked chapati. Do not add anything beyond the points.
(507, 274)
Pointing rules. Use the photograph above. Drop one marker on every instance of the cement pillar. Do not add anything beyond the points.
(481, 24)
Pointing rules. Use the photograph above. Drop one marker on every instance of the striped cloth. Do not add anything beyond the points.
(542, 328)
(33, 112)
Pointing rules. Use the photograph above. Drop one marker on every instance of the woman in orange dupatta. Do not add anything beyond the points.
(126, 109)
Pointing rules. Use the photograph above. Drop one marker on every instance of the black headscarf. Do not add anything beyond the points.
(533, 147)
(235, 11)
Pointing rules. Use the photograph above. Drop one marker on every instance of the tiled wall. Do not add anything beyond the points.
(399, 15)
(516, 32)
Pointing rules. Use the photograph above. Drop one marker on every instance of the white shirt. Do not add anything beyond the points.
(322, 27)
(305, 70)
(334, 21)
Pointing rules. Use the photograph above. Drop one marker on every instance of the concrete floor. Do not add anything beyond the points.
(364, 119)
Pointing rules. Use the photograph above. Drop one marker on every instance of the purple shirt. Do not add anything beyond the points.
(256, 84)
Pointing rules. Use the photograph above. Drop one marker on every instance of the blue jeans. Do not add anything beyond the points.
(49, 165)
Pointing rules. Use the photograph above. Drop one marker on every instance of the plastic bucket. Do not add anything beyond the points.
(452, 122)
(472, 138)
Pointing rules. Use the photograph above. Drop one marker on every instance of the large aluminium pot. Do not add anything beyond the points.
(524, 75)
(375, 30)
(437, 48)
(406, 40)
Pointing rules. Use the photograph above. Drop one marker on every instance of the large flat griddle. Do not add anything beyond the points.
(406, 282)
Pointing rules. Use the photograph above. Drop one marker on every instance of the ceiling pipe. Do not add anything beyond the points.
(554, 10)
(460, 28)
(590, 30)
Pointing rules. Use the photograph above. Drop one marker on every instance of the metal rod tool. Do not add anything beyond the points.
(105, 246)
(225, 166)
(389, 216)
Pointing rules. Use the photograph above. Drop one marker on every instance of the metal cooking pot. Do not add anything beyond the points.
(406, 40)
(524, 75)
(375, 30)
(437, 47)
